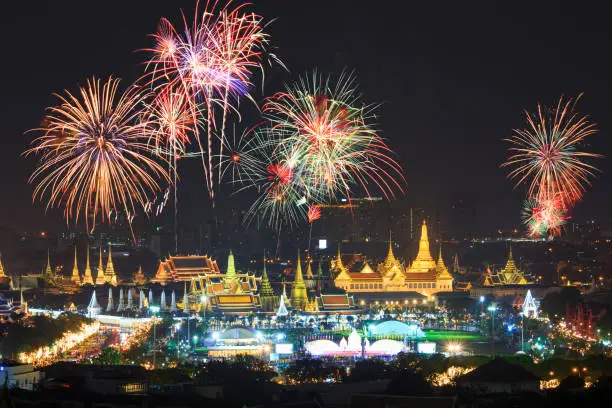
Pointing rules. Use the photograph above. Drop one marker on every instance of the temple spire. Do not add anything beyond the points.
(339, 259)
(87, 276)
(423, 261)
(93, 309)
(266, 288)
(185, 297)
(48, 270)
(2, 272)
(440, 262)
(109, 305)
(100, 278)
(76, 277)
(299, 298)
(111, 277)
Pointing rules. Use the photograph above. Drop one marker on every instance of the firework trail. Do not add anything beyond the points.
(211, 61)
(94, 155)
(546, 156)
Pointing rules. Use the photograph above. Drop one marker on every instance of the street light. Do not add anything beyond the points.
(492, 308)
(154, 310)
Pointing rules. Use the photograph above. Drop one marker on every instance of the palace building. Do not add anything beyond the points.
(185, 268)
(232, 292)
(424, 275)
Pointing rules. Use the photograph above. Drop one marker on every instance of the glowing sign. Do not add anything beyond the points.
(426, 347)
(284, 348)
(322, 244)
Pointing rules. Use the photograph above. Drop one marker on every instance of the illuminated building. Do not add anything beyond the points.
(185, 268)
(336, 303)
(509, 275)
(269, 301)
(299, 297)
(237, 341)
(94, 308)
(353, 345)
(309, 280)
(531, 306)
(232, 292)
(139, 278)
(424, 275)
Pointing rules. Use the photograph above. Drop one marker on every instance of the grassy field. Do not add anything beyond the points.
(446, 335)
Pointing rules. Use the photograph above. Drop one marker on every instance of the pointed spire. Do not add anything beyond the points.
(440, 262)
(299, 298)
(309, 274)
(141, 299)
(231, 268)
(423, 261)
(185, 297)
(48, 270)
(266, 288)
(100, 278)
(2, 272)
(76, 277)
(456, 267)
(339, 259)
(139, 277)
(120, 305)
(111, 277)
(282, 308)
(150, 297)
(130, 301)
(109, 305)
(94, 308)
(162, 300)
(173, 302)
(87, 275)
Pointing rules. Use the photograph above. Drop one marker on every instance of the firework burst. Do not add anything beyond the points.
(94, 155)
(317, 145)
(546, 156)
(211, 61)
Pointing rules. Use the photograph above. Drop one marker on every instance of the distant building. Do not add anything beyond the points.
(22, 376)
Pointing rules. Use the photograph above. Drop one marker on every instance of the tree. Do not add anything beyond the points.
(571, 382)
(408, 382)
(554, 304)
(109, 356)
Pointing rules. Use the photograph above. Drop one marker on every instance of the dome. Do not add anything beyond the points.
(322, 347)
(396, 328)
(238, 334)
(386, 347)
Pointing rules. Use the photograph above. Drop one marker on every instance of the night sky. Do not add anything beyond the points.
(452, 82)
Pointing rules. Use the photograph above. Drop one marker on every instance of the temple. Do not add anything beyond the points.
(185, 268)
(100, 278)
(139, 278)
(76, 276)
(424, 275)
(232, 293)
(509, 275)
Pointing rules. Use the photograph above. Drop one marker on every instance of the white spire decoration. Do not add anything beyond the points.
(173, 302)
(150, 297)
(120, 305)
(94, 308)
(109, 306)
(185, 301)
(530, 306)
(130, 304)
(162, 302)
(141, 298)
(282, 309)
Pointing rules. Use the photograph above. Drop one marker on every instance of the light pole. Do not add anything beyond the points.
(154, 310)
(492, 308)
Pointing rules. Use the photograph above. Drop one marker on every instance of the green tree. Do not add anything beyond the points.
(109, 356)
